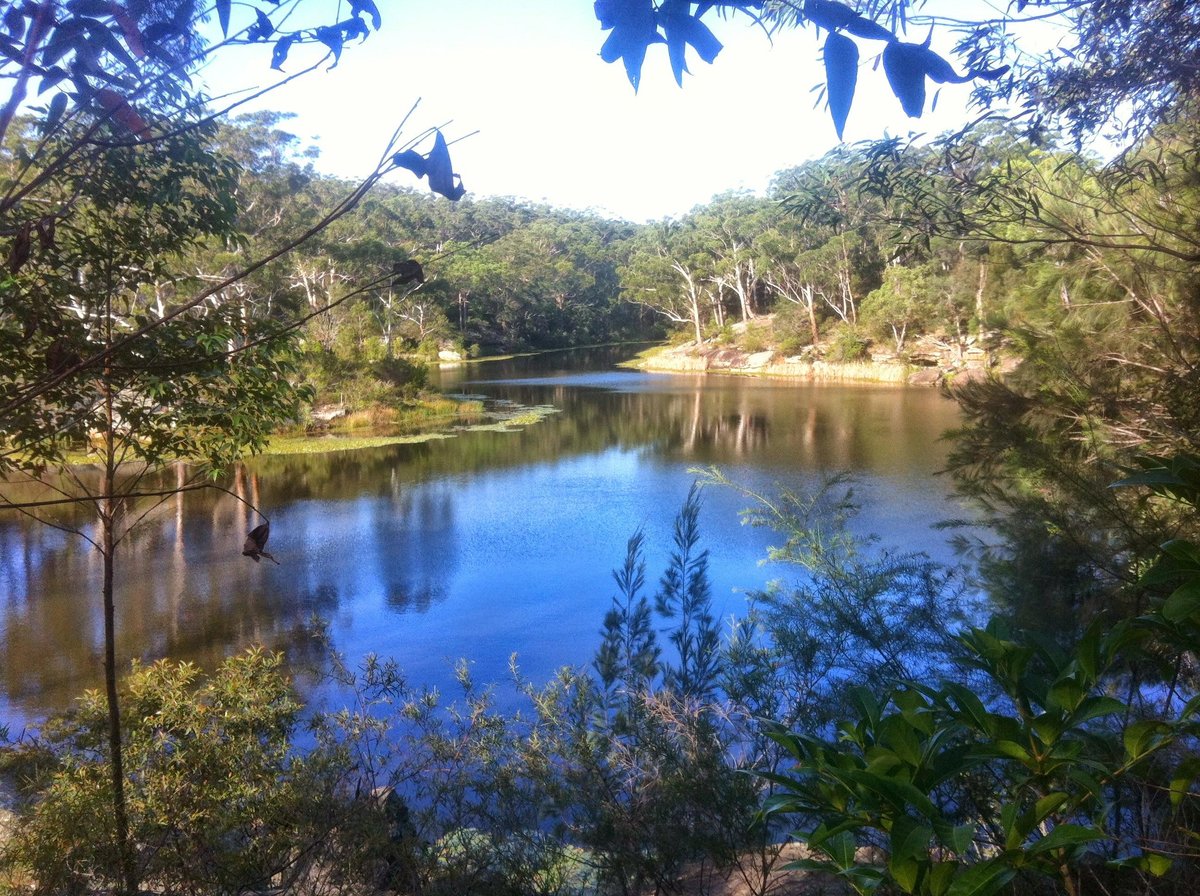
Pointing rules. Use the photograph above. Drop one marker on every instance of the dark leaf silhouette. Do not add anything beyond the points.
(633, 30)
(828, 14)
(438, 170)
(861, 26)
(280, 54)
(683, 29)
(223, 7)
(412, 160)
(436, 166)
(54, 113)
(367, 7)
(331, 36)
(262, 29)
(405, 272)
(841, 77)
(905, 66)
(354, 27)
(908, 65)
(14, 21)
(18, 252)
(838, 17)
(255, 545)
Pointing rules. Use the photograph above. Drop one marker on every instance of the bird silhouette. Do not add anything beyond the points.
(256, 543)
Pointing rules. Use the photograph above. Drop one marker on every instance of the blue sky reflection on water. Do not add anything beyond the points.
(522, 561)
(479, 546)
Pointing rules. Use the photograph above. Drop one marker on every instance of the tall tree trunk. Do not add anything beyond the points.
(809, 302)
(979, 321)
(109, 510)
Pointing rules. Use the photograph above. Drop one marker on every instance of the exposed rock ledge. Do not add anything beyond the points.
(935, 367)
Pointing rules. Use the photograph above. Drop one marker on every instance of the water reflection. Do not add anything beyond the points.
(476, 546)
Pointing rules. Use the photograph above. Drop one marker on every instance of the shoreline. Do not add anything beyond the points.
(731, 361)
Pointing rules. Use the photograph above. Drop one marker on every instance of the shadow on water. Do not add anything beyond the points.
(477, 546)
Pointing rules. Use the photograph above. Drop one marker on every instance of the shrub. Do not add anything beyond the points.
(406, 375)
(217, 799)
(847, 344)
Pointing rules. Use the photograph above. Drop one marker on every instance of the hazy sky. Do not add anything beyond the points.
(558, 124)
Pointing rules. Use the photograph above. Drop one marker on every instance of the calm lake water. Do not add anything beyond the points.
(478, 546)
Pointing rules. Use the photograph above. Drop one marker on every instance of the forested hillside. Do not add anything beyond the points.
(967, 241)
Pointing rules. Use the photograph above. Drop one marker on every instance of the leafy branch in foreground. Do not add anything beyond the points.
(1039, 769)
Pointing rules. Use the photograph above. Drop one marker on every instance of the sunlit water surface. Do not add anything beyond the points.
(479, 546)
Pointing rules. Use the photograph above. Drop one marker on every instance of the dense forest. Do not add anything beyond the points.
(180, 284)
(847, 257)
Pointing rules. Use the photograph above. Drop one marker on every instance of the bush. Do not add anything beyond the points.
(791, 330)
(406, 375)
(847, 344)
(217, 799)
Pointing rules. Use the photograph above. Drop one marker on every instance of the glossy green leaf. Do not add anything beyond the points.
(983, 879)
(910, 839)
(905, 871)
(1142, 737)
(1065, 836)
(1183, 603)
(1183, 779)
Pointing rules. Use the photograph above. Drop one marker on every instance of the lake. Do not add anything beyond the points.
(477, 546)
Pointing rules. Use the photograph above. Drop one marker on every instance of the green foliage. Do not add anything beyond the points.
(962, 796)
(901, 305)
(846, 344)
(217, 797)
(685, 598)
(1028, 765)
(629, 653)
(859, 614)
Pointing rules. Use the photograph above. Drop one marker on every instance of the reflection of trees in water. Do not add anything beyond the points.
(407, 597)
(382, 521)
(183, 590)
(819, 427)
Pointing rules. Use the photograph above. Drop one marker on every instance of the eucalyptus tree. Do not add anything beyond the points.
(902, 303)
(845, 240)
(670, 273)
(729, 227)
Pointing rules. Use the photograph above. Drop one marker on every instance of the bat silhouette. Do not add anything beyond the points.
(256, 543)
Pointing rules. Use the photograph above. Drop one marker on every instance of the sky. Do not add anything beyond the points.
(551, 122)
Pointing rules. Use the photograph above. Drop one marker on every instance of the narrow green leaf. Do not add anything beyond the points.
(983, 879)
(905, 871)
(1046, 805)
(910, 839)
(1065, 836)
